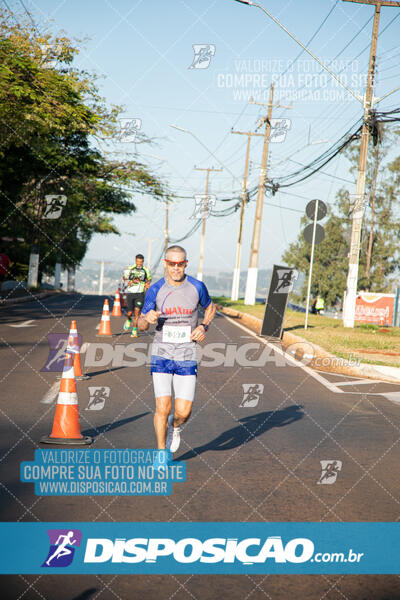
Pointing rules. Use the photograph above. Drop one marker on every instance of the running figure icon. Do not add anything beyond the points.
(62, 549)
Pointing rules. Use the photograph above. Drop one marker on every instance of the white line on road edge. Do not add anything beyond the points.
(358, 381)
(392, 396)
(24, 324)
(50, 396)
(331, 386)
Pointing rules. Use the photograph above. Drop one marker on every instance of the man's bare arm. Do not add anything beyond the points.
(149, 317)
(143, 324)
(209, 313)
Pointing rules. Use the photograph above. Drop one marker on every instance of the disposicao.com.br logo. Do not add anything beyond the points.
(247, 551)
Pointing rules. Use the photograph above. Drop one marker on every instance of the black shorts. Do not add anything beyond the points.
(2, 276)
(135, 301)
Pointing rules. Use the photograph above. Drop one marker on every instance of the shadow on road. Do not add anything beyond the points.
(248, 429)
(86, 594)
(95, 431)
(94, 373)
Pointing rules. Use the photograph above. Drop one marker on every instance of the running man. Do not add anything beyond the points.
(172, 303)
(138, 280)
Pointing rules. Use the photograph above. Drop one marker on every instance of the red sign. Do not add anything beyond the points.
(374, 308)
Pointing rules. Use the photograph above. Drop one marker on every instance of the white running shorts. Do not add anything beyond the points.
(184, 385)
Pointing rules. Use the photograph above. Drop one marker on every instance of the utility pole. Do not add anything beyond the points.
(101, 280)
(354, 254)
(236, 270)
(148, 262)
(373, 198)
(203, 229)
(252, 273)
(57, 273)
(166, 243)
(33, 269)
(71, 279)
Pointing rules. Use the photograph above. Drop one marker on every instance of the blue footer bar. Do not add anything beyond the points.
(198, 547)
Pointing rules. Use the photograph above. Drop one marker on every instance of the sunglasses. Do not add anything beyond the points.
(171, 263)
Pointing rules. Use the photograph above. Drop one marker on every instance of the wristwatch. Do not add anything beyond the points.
(205, 326)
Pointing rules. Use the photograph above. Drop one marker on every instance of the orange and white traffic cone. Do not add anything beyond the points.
(73, 348)
(73, 333)
(66, 428)
(105, 326)
(116, 311)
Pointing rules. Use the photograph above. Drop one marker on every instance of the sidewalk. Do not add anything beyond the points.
(21, 294)
(315, 356)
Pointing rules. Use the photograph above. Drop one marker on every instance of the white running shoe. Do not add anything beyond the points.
(173, 436)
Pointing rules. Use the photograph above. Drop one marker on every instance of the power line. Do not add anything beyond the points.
(30, 16)
(7, 7)
(324, 172)
(313, 36)
(285, 207)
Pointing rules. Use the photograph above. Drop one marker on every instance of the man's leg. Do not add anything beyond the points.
(182, 412)
(129, 305)
(162, 383)
(184, 388)
(136, 315)
(137, 311)
(163, 408)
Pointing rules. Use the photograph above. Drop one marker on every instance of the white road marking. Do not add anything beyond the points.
(331, 386)
(392, 396)
(24, 324)
(50, 396)
(357, 381)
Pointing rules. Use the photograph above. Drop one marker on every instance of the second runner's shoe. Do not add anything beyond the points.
(173, 436)
(127, 324)
(134, 332)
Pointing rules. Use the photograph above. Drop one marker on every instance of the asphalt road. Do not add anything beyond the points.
(246, 461)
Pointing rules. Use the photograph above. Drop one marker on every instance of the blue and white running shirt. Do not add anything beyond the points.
(179, 315)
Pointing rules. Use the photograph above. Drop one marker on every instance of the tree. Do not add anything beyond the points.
(51, 120)
(330, 256)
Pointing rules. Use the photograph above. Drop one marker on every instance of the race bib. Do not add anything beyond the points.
(176, 335)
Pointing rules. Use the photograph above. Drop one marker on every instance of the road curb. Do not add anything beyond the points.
(315, 356)
(26, 298)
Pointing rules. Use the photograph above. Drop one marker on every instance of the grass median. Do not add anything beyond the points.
(369, 343)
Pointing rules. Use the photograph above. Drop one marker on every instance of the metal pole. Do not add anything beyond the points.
(101, 278)
(395, 322)
(149, 252)
(354, 255)
(311, 263)
(236, 270)
(252, 273)
(71, 279)
(166, 226)
(57, 274)
(203, 231)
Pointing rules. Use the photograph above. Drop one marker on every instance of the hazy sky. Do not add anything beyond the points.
(143, 51)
